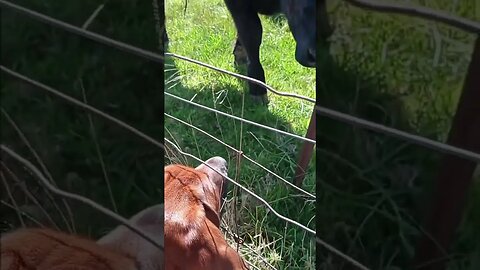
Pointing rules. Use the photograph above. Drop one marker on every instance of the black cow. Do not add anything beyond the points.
(301, 16)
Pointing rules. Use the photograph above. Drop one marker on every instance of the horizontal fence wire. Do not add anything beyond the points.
(243, 156)
(240, 119)
(82, 105)
(116, 121)
(420, 12)
(251, 193)
(414, 139)
(83, 32)
(434, 145)
(286, 219)
(242, 77)
(79, 198)
(463, 24)
(160, 145)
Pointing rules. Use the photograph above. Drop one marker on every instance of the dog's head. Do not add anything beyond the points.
(192, 218)
(194, 193)
(191, 195)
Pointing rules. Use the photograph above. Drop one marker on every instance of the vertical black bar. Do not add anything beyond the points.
(455, 175)
(159, 16)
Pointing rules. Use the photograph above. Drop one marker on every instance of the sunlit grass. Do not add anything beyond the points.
(205, 32)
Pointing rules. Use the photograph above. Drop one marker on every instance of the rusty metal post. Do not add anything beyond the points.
(306, 153)
(324, 31)
(455, 175)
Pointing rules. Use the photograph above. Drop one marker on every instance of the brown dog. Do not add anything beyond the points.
(192, 219)
(121, 249)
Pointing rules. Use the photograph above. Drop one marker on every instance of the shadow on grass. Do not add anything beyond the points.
(275, 151)
(256, 141)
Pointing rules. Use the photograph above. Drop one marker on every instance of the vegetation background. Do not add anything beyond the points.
(371, 190)
(83, 154)
(374, 190)
(204, 31)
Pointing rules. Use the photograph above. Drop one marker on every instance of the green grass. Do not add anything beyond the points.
(125, 86)
(423, 62)
(374, 190)
(206, 33)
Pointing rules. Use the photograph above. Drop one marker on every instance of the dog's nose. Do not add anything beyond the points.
(216, 163)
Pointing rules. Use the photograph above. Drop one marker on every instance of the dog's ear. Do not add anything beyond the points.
(219, 164)
(212, 168)
(127, 242)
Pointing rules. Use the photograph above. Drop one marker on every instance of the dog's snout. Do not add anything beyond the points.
(216, 163)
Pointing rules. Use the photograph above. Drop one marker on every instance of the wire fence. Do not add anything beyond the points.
(460, 23)
(157, 58)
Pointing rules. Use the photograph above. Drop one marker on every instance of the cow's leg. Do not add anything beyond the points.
(249, 32)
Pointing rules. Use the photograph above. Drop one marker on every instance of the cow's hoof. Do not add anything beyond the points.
(262, 99)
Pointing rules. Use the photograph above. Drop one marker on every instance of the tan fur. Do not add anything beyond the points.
(121, 249)
(193, 239)
(44, 249)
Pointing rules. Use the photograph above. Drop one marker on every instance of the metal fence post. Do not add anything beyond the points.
(455, 175)
(306, 153)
